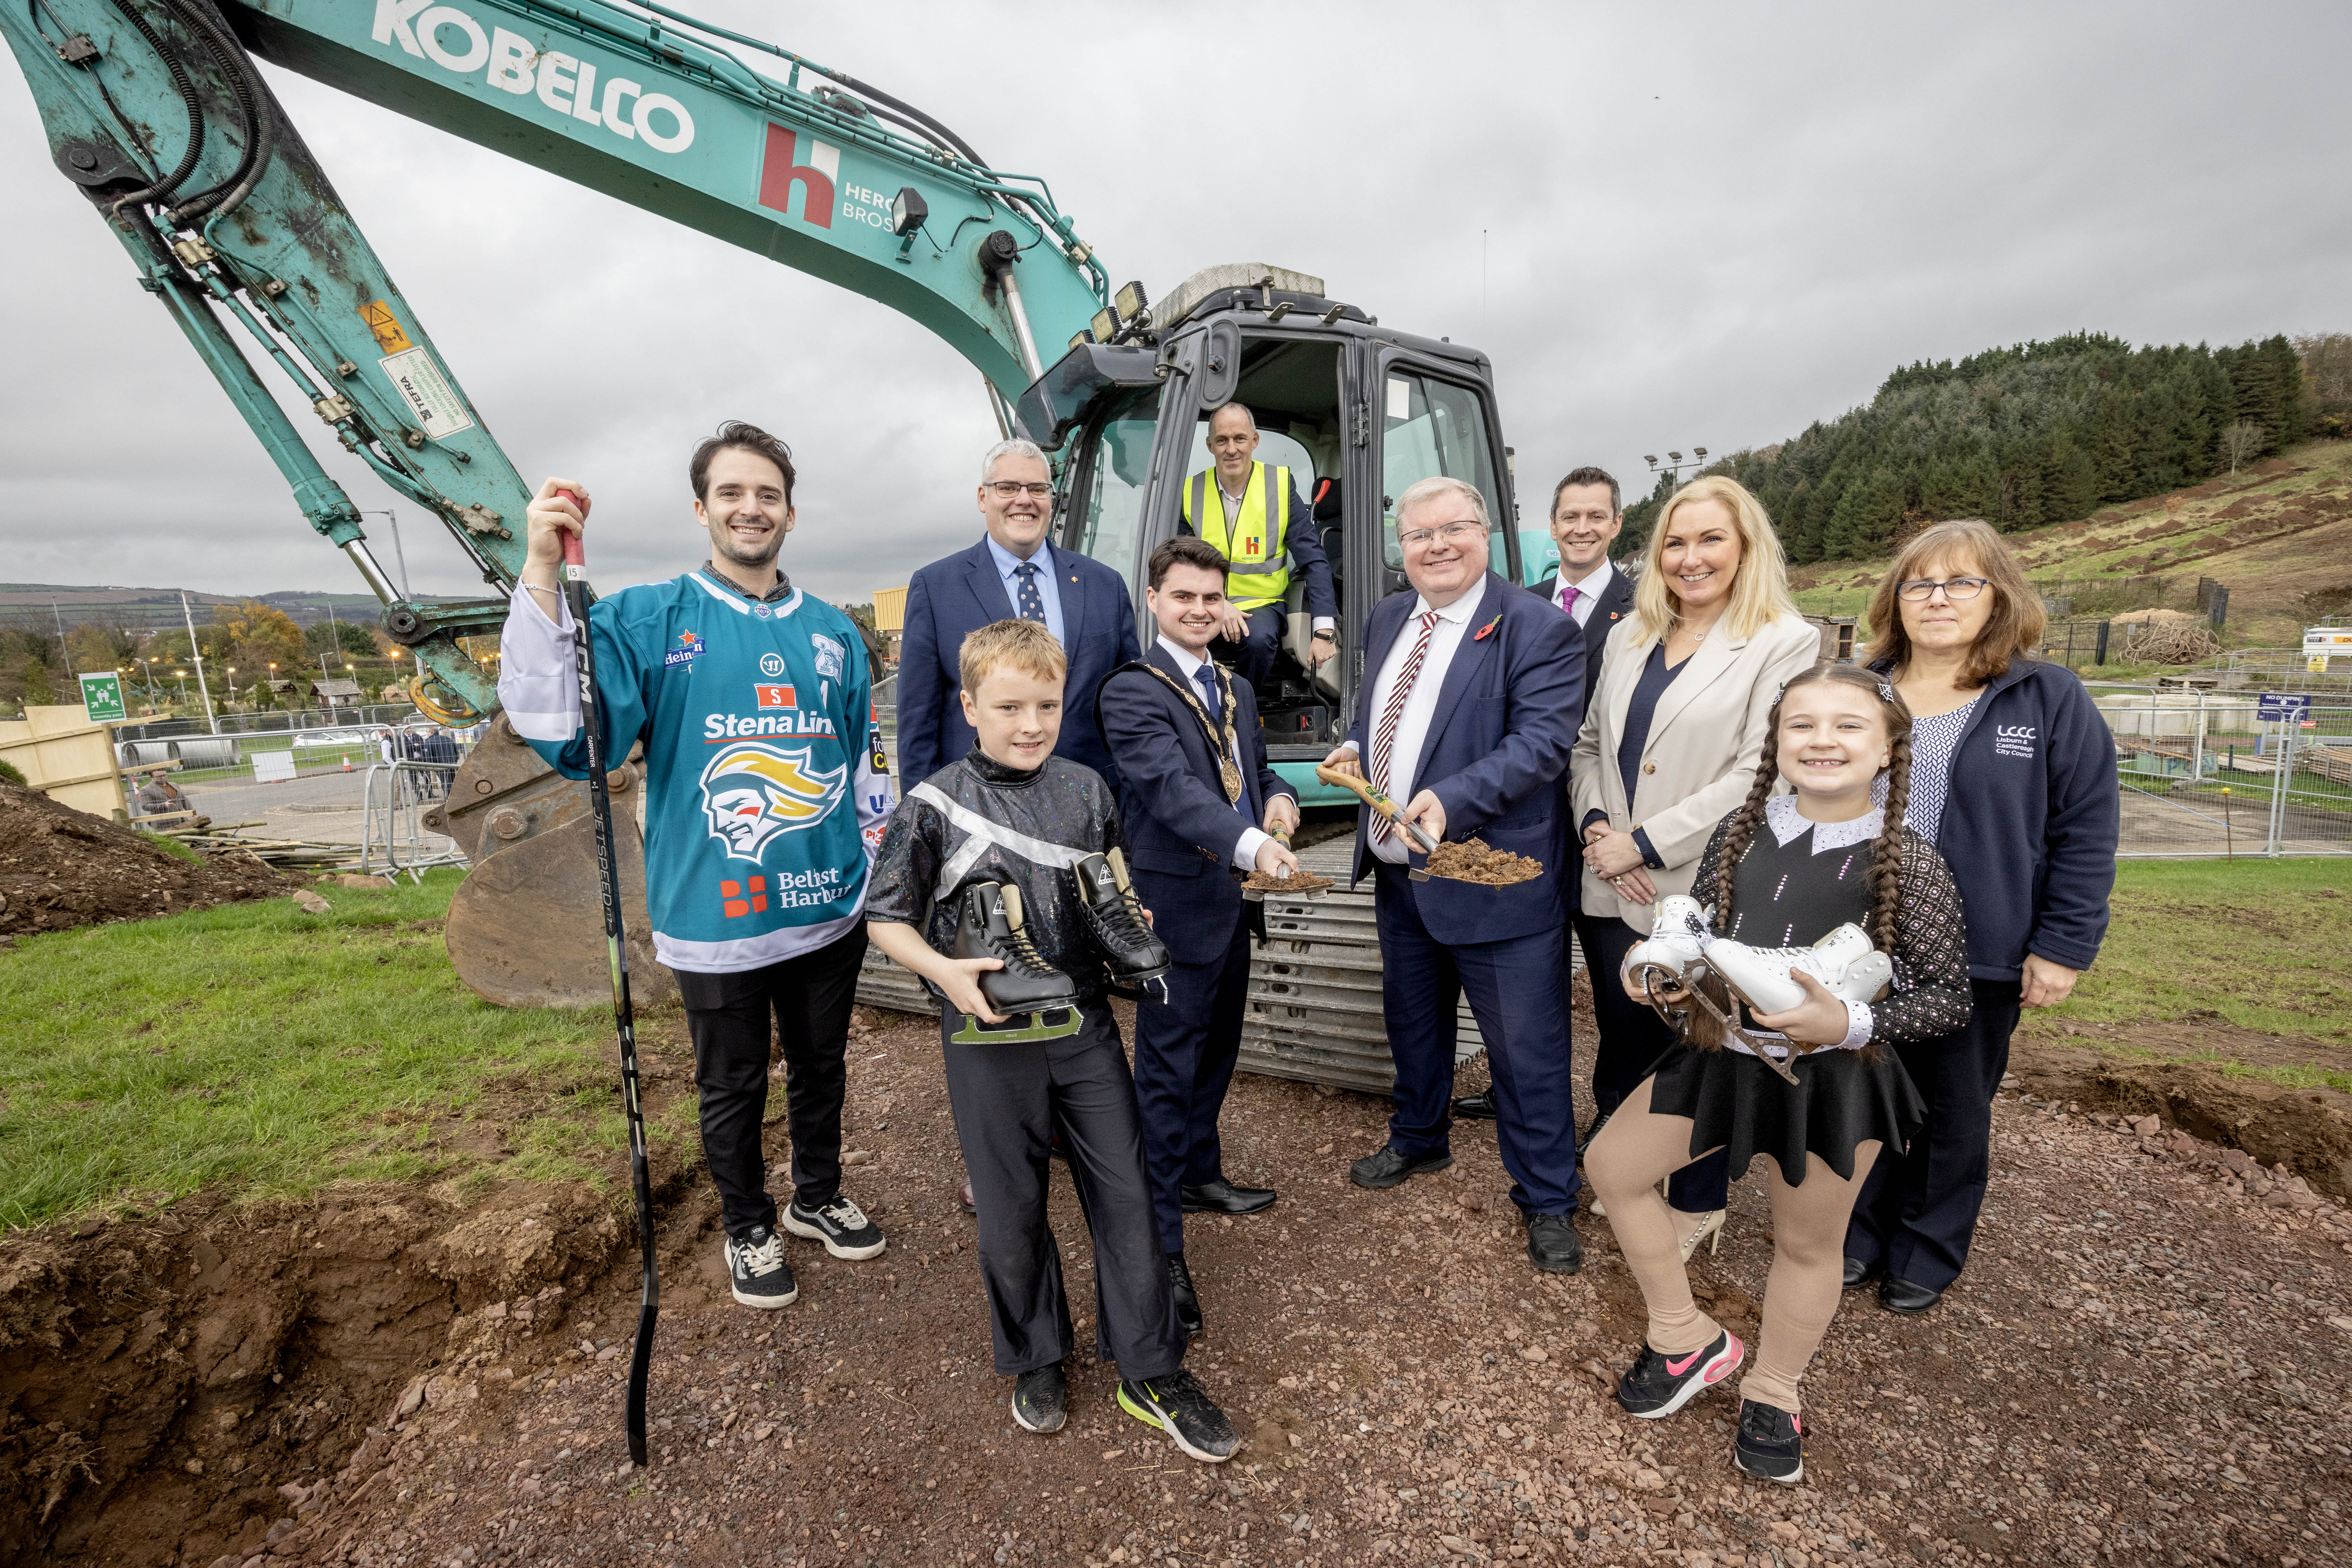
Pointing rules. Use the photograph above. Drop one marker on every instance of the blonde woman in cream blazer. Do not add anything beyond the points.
(1669, 748)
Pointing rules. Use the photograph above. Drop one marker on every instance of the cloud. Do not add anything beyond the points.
(1707, 224)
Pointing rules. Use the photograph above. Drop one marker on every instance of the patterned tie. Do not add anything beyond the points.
(1207, 675)
(1384, 737)
(1568, 597)
(1033, 603)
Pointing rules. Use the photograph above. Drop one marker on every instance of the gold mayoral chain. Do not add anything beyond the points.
(1228, 764)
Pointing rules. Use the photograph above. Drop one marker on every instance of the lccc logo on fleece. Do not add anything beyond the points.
(508, 61)
(2013, 740)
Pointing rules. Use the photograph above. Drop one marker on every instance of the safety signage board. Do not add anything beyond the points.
(102, 698)
(273, 767)
(429, 398)
(2273, 707)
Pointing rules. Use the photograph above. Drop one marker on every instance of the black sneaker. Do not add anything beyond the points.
(757, 1271)
(1553, 1245)
(1041, 1398)
(1176, 1405)
(841, 1225)
(1385, 1167)
(1659, 1385)
(1772, 1443)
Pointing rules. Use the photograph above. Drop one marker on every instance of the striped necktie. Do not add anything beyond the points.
(1384, 737)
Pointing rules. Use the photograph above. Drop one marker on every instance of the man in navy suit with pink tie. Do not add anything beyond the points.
(1467, 714)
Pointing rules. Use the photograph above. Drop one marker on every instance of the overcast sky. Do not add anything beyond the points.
(1702, 225)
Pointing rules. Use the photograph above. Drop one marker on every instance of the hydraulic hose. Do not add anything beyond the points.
(187, 90)
(252, 105)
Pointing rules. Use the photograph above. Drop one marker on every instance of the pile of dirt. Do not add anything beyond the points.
(172, 1389)
(61, 868)
(1472, 861)
(2307, 1130)
(1298, 881)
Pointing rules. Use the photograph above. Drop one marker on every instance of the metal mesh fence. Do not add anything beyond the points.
(2208, 774)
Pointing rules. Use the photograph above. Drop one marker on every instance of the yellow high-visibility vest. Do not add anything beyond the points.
(1261, 565)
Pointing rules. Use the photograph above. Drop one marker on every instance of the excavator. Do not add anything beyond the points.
(157, 111)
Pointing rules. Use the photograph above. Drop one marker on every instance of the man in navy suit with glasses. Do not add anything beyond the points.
(1012, 573)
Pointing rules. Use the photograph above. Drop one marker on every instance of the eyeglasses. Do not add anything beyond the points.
(1005, 490)
(1920, 589)
(1452, 533)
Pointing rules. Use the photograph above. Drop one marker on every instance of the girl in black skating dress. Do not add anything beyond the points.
(1785, 870)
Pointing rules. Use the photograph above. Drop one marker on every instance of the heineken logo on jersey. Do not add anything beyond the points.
(753, 794)
(688, 649)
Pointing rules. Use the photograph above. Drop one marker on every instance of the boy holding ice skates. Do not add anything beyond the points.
(1002, 882)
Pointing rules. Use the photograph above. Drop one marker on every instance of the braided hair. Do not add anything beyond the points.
(1887, 855)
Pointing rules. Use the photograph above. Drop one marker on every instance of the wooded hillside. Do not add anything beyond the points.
(2038, 433)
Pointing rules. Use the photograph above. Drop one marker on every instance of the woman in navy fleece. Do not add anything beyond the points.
(2013, 780)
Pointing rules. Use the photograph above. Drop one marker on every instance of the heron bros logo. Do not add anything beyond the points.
(754, 794)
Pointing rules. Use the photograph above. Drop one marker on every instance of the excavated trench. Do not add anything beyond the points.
(175, 1388)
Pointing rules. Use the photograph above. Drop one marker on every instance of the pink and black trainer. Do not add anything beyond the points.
(1660, 1385)
(1771, 1444)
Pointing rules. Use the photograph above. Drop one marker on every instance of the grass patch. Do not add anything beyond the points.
(257, 1048)
(2259, 945)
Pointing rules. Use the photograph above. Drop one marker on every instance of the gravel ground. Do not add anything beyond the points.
(2145, 1366)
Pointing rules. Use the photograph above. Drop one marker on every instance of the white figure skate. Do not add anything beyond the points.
(1844, 962)
(1670, 956)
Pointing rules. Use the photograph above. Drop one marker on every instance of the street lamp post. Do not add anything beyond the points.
(1675, 462)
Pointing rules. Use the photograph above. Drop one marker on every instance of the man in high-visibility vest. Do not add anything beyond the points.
(1254, 516)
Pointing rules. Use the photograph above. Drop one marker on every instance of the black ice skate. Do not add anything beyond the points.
(1114, 918)
(991, 927)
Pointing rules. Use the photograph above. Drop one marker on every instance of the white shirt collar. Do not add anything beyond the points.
(1007, 563)
(1459, 611)
(1788, 827)
(1186, 660)
(1591, 587)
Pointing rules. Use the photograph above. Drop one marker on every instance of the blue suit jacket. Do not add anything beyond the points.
(1181, 830)
(1495, 752)
(951, 599)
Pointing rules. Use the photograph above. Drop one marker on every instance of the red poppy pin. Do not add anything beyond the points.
(1480, 634)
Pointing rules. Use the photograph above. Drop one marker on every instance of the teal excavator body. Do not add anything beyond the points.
(154, 110)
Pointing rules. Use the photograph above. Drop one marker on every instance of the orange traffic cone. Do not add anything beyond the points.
(347, 762)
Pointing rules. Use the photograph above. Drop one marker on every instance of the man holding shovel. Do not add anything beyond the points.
(1468, 720)
(1194, 790)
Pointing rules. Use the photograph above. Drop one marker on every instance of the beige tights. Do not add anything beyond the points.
(1635, 1152)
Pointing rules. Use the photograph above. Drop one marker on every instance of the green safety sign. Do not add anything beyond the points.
(102, 698)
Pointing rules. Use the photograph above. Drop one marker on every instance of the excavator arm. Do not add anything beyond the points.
(154, 109)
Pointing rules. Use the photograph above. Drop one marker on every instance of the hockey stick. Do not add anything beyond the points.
(600, 794)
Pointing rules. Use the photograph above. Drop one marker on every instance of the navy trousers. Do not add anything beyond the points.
(1184, 1053)
(1917, 1212)
(1514, 988)
(1253, 660)
(1632, 1038)
(1009, 1099)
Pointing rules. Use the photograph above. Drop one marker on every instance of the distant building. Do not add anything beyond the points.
(337, 692)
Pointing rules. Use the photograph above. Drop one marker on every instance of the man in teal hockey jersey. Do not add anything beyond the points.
(766, 789)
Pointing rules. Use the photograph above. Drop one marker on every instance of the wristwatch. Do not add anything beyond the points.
(1327, 633)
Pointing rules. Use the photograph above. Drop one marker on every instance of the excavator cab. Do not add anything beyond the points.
(1357, 411)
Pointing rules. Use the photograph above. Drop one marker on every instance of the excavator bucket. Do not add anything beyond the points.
(527, 925)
